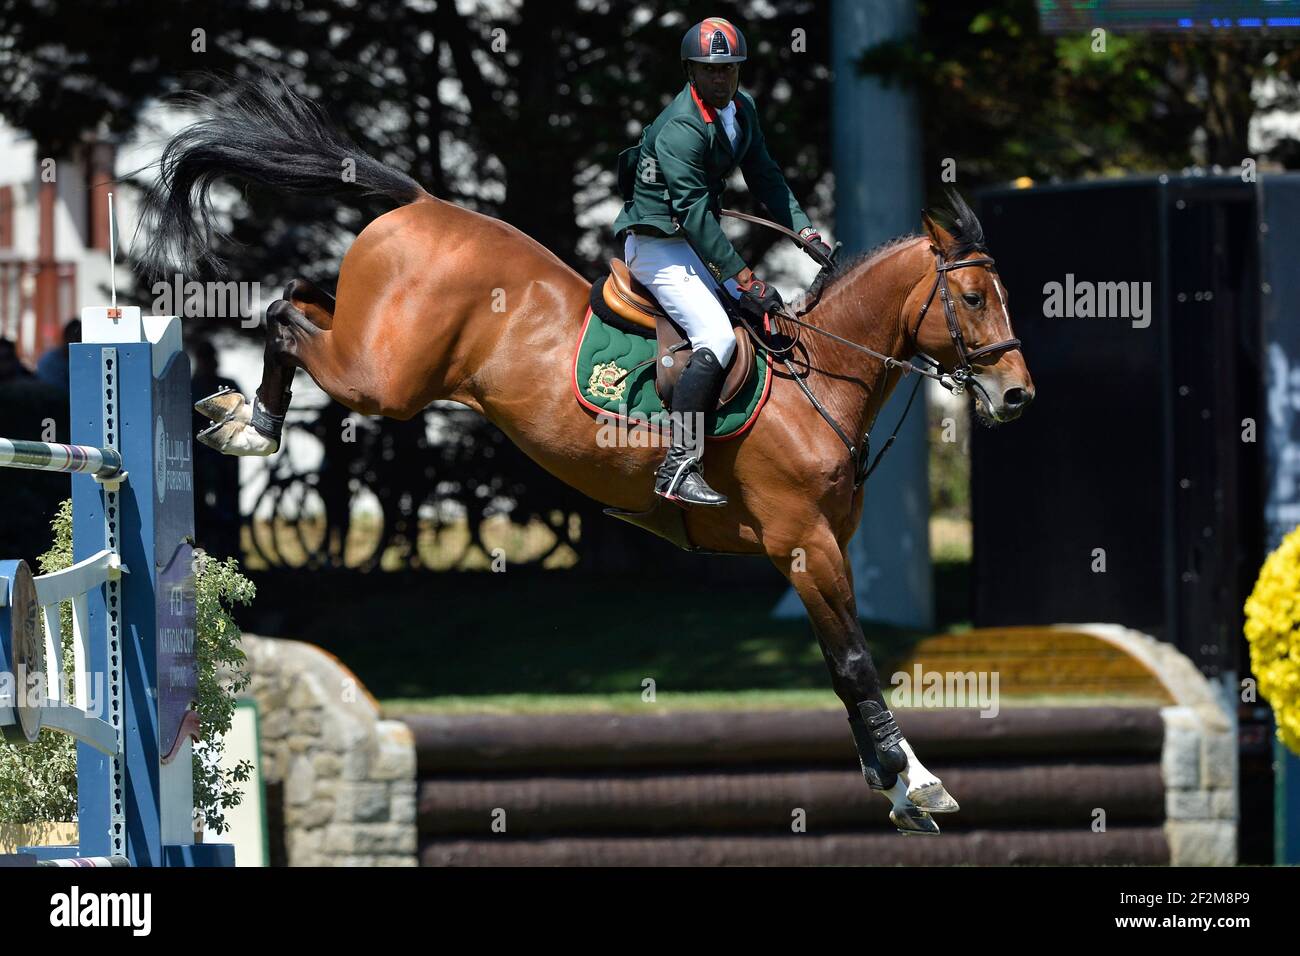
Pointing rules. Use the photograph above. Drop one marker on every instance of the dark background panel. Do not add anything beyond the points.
(1081, 470)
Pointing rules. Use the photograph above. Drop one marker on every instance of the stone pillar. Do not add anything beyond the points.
(347, 776)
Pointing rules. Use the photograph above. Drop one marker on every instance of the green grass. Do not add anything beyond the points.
(566, 642)
(701, 701)
(616, 703)
(524, 639)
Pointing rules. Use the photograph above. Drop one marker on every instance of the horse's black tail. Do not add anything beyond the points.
(260, 131)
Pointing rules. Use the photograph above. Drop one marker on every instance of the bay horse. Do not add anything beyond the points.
(434, 301)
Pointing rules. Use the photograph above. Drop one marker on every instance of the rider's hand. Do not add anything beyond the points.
(811, 235)
(756, 295)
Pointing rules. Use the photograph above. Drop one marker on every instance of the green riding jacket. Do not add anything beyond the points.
(673, 181)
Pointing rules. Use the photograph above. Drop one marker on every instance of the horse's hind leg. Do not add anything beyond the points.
(243, 428)
(313, 302)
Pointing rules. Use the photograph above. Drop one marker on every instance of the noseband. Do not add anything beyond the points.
(962, 372)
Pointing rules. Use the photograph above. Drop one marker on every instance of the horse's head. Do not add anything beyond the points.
(964, 322)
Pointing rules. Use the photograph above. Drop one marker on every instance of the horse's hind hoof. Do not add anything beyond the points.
(234, 437)
(933, 798)
(913, 821)
(223, 405)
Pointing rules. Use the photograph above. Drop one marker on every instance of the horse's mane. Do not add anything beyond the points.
(851, 264)
(964, 226)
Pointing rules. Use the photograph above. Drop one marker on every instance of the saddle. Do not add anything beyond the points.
(634, 303)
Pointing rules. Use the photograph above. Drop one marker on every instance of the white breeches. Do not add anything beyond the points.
(674, 273)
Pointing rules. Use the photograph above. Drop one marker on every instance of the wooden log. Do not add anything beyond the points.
(1117, 846)
(1057, 794)
(511, 743)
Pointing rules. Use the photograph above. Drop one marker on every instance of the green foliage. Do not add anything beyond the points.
(1005, 101)
(949, 432)
(219, 585)
(516, 109)
(38, 782)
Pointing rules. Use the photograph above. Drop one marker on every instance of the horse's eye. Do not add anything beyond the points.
(973, 299)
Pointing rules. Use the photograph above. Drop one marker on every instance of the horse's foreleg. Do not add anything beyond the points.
(815, 565)
(915, 785)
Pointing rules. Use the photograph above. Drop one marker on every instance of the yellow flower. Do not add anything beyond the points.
(1273, 631)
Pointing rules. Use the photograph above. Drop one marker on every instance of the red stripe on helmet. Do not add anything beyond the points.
(706, 33)
(727, 30)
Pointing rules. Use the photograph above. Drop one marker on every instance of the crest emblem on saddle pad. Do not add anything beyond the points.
(604, 381)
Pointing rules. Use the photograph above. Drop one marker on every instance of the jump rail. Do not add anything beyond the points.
(51, 456)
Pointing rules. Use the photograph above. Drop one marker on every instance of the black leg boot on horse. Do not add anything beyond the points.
(883, 754)
(879, 741)
(679, 478)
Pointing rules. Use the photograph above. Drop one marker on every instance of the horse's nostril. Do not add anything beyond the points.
(1016, 397)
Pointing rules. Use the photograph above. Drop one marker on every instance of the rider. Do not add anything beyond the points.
(675, 245)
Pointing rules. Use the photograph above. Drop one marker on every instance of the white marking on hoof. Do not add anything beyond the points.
(224, 405)
(924, 789)
(905, 815)
(933, 798)
(234, 437)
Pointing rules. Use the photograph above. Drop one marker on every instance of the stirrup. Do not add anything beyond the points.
(688, 476)
(684, 468)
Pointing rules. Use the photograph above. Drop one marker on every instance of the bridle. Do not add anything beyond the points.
(962, 372)
(955, 379)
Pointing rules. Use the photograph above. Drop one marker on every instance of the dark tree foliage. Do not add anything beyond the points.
(1005, 101)
(515, 109)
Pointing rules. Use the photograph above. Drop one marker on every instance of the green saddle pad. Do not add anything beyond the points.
(605, 352)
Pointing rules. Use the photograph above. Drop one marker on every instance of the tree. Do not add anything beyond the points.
(518, 109)
(1005, 101)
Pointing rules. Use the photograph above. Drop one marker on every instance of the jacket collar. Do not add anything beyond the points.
(707, 112)
(710, 115)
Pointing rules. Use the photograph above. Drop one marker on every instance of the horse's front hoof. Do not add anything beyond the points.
(933, 798)
(913, 821)
(234, 437)
(223, 405)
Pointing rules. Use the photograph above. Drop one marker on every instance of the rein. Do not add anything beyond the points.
(955, 380)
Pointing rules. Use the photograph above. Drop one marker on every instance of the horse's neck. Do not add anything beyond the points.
(865, 306)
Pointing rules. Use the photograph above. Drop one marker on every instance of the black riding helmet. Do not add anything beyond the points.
(714, 40)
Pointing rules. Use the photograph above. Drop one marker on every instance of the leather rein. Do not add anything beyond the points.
(955, 380)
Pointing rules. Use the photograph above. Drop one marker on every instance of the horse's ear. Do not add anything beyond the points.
(940, 236)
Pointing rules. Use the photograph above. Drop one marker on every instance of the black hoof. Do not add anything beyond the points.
(913, 821)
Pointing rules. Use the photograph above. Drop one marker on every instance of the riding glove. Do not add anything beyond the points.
(758, 297)
(811, 235)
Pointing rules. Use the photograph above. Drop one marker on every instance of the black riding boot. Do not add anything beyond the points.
(694, 396)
